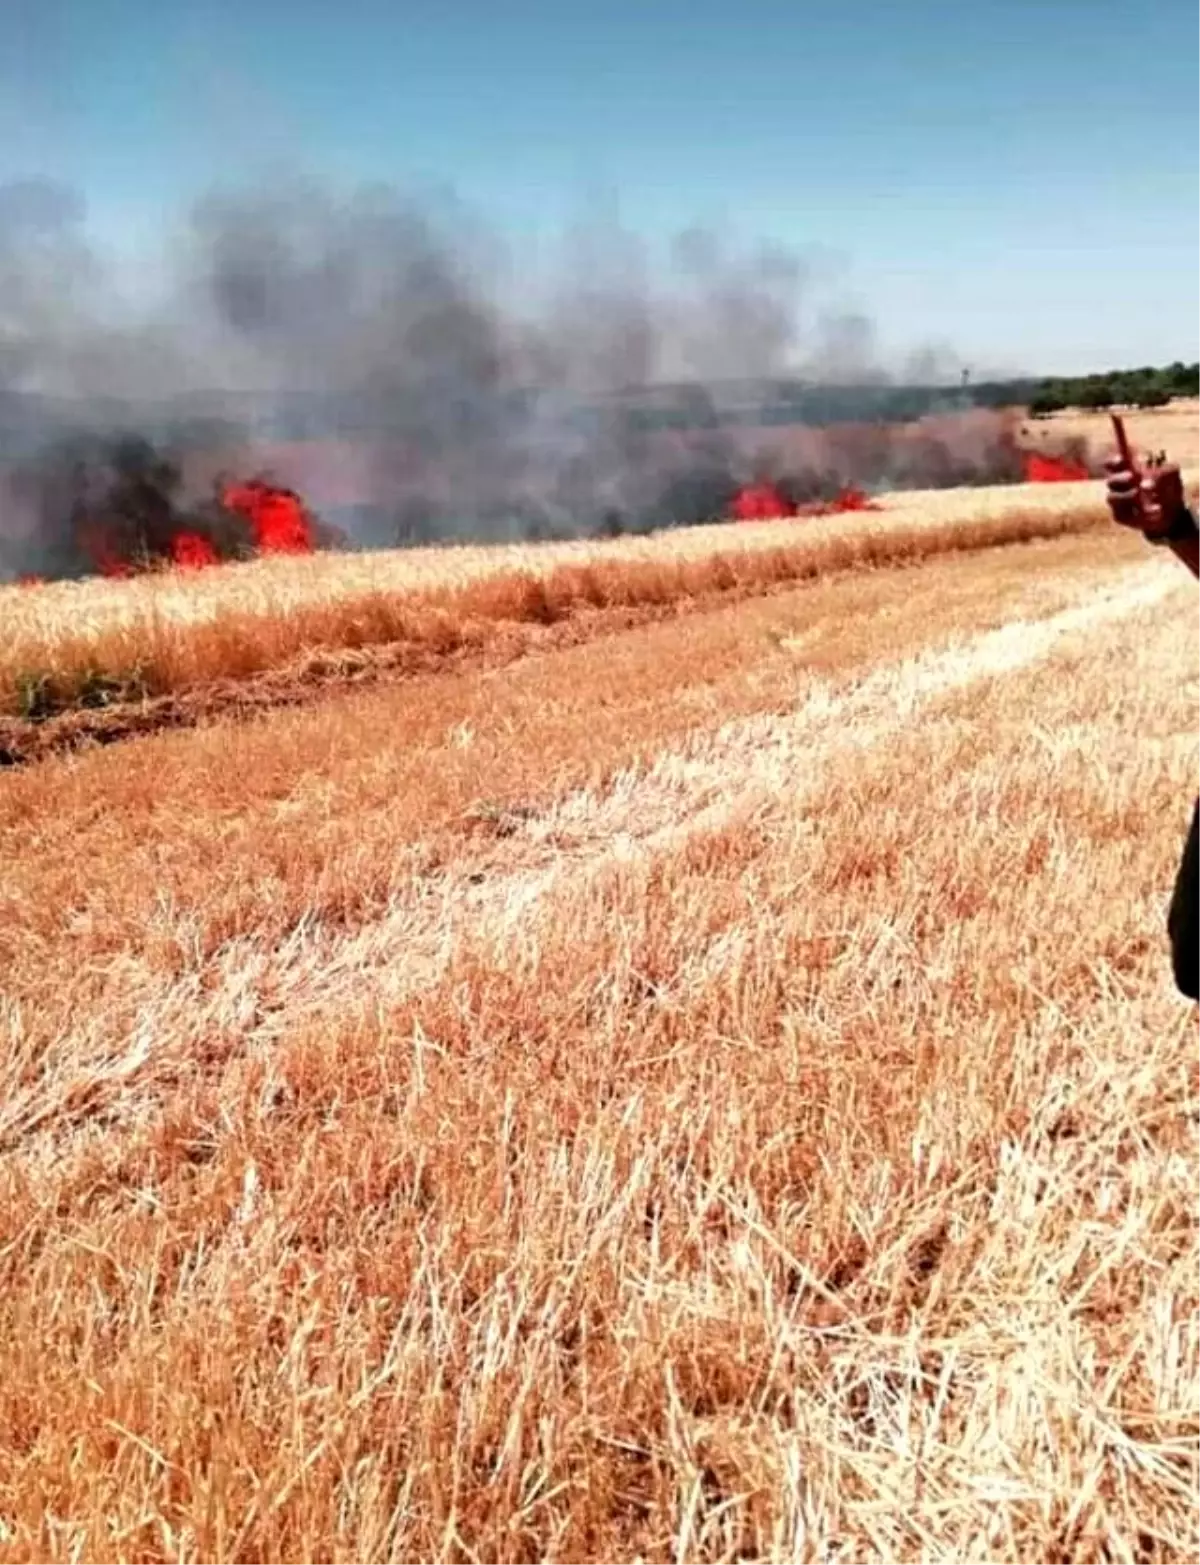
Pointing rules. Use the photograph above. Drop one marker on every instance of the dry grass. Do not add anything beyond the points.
(97, 642)
(711, 1093)
(1174, 429)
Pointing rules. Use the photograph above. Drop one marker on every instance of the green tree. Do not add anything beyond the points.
(1045, 403)
(1097, 393)
(1154, 395)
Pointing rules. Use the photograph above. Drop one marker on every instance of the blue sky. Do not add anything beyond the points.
(1016, 179)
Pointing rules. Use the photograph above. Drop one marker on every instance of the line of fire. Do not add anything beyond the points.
(116, 507)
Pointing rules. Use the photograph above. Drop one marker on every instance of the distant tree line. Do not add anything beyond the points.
(783, 404)
(217, 421)
(1141, 388)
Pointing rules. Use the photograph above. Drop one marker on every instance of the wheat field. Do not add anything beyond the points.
(176, 631)
(708, 1089)
(1174, 428)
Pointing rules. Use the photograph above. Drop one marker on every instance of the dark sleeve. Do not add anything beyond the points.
(1181, 919)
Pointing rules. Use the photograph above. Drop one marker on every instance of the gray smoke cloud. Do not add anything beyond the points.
(382, 352)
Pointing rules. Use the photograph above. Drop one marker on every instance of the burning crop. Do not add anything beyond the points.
(117, 506)
(768, 502)
(1045, 468)
(193, 551)
(629, 391)
(278, 519)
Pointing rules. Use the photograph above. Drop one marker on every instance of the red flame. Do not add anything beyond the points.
(193, 551)
(852, 499)
(108, 563)
(278, 517)
(1041, 469)
(99, 545)
(763, 503)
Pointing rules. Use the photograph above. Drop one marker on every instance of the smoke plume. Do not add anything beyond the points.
(380, 353)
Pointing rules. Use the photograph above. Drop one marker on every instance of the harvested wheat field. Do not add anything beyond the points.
(707, 1087)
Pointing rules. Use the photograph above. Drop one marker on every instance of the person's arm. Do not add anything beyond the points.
(1188, 550)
